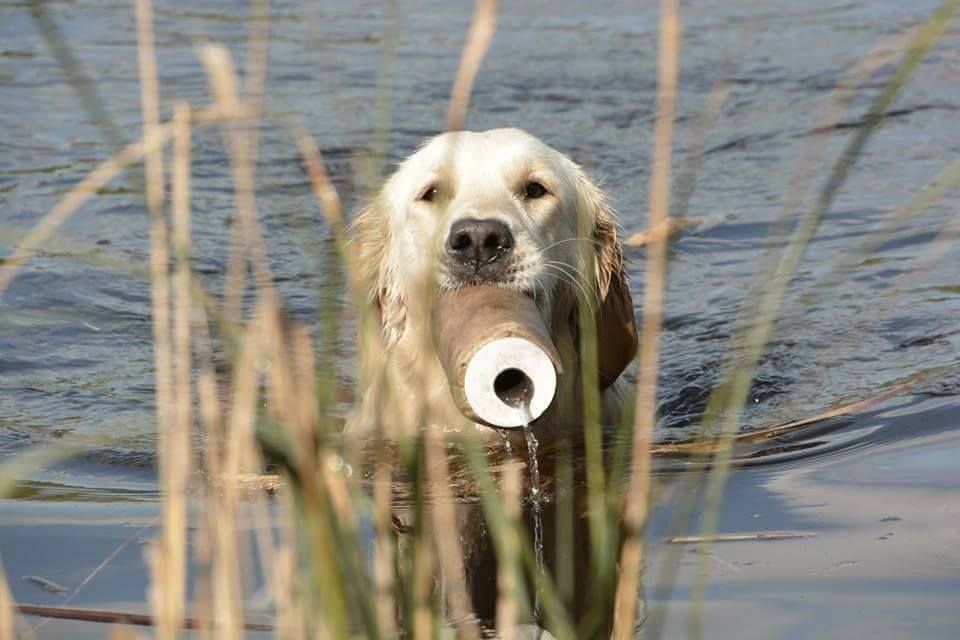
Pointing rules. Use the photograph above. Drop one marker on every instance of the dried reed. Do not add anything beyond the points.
(636, 506)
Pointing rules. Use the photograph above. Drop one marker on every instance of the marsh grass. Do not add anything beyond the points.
(368, 539)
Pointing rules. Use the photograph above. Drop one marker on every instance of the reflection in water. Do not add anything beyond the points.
(541, 519)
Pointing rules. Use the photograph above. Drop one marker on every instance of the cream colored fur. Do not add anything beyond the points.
(398, 242)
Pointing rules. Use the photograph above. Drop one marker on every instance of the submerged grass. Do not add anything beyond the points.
(375, 540)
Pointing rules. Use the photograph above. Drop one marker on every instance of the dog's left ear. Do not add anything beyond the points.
(370, 234)
(616, 326)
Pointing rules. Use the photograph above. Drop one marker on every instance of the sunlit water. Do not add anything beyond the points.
(75, 331)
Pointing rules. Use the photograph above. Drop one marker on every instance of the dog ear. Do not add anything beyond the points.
(370, 233)
(616, 325)
(615, 322)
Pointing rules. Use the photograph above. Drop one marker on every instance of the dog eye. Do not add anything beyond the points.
(534, 190)
(428, 195)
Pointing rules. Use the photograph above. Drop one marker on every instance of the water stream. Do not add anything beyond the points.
(505, 436)
(536, 506)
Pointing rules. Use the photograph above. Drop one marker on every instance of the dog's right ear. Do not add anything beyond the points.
(617, 340)
(614, 320)
(370, 233)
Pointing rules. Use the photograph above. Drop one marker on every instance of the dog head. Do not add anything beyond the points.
(503, 208)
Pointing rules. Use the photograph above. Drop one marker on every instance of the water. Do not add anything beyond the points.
(75, 331)
(505, 438)
(75, 336)
(536, 504)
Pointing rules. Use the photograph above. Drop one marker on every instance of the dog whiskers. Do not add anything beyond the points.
(578, 239)
(560, 270)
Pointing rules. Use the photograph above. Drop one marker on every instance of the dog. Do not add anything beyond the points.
(502, 208)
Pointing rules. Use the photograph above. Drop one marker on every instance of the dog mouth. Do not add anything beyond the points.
(506, 279)
(516, 272)
(493, 272)
(528, 293)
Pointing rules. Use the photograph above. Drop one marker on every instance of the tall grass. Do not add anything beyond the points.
(412, 534)
(636, 507)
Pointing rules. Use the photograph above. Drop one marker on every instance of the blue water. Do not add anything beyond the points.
(75, 331)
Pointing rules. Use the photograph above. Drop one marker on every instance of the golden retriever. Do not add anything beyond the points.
(495, 207)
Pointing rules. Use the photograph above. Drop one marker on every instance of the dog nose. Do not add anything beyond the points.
(478, 242)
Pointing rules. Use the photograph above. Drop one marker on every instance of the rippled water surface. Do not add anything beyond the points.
(75, 334)
(75, 329)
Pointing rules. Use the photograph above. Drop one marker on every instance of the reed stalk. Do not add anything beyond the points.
(636, 506)
(7, 611)
(509, 574)
(482, 27)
